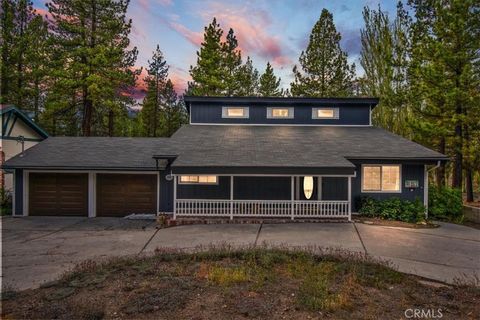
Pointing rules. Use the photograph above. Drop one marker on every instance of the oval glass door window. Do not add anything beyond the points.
(308, 186)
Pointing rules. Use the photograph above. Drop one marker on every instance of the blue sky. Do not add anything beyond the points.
(267, 30)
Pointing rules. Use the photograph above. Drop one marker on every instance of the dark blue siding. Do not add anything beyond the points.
(409, 171)
(18, 192)
(348, 115)
(262, 188)
(166, 193)
(334, 188)
(205, 191)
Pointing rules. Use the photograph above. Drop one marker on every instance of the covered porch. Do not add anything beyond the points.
(262, 196)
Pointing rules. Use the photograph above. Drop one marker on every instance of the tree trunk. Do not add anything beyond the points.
(440, 172)
(87, 114)
(469, 184)
(458, 158)
(36, 101)
(111, 118)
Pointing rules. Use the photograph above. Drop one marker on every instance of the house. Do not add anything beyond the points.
(238, 157)
(19, 133)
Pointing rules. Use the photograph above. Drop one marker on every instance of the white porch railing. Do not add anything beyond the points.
(262, 208)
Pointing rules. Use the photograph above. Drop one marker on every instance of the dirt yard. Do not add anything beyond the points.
(250, 283)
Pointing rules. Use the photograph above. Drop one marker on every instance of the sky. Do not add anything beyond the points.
(267, 30)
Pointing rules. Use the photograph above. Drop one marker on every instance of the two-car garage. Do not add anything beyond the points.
(114, 194)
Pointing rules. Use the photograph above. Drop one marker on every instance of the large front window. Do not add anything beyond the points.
(381, 178)
(198, 180)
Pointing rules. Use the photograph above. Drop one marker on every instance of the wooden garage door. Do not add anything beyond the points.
(58, 194)
(119, 195)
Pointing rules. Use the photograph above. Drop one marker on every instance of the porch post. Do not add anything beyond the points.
(349, 198)
(231, 197)
(174, 197)
(292, 184)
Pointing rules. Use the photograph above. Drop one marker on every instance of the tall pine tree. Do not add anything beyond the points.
(247, 77)
(173, 114)
(93, 63)
(324, 68)
(269, 83)
(232, 60)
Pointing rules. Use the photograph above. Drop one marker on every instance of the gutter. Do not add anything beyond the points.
(426, 185)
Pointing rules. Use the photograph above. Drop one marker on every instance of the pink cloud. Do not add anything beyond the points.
(195, 38)
(165, 3)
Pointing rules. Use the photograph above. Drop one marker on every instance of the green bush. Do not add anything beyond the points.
(445, 203)
(5, 202)
(392, 209)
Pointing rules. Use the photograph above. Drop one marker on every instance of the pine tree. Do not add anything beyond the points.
(385, 59)
(324, 68)
(248, 79)
(93, 63)
(269, 84)
(173, 114)
(7, 45)
(444, 73)
(156, 81)
(232, 60)
(208, 76)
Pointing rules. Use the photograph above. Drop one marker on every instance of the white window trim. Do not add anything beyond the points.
(291, 113)
(336, 113)
(197, 183)
(246, 112)
(380, 165)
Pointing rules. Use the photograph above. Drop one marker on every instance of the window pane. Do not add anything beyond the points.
(279, 113)
(235, 112)
(325, 113)
(391, 178)
(371, 178)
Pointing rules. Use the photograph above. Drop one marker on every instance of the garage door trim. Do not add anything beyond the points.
(92, 201)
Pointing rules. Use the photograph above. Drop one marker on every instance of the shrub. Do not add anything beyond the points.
(445, 203)
(392, 209)
(5, 202)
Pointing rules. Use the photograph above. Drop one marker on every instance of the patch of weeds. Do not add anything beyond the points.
(227, 276)
(61, 293)
(172, 297)
(377, 276)
(318, 292)
(88, 279)
(8, 293)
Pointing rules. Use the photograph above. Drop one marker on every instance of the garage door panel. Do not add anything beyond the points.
(63, 194)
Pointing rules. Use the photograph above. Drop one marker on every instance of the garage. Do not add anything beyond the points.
(58, 194)
(119, 195)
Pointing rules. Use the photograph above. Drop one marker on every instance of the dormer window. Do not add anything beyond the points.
(325, 113)
(280, 113)
(235, 112)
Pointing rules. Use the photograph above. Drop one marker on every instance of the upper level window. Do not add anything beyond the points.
(280, 113)
(198, 180)
(235, 112)
(325, 113)
(381, 178)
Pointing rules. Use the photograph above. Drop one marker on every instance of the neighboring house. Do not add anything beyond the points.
(238, 157)
(19, 133)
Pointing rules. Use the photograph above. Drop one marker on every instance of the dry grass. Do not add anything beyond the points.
(261, 283)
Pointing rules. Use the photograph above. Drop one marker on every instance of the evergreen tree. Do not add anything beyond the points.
(156, 81)
(208, 76)
(385, 59)
(93, 62)
(269, 84)
(248, 78)
(324, 68)
(232, 60)
(173, 114)
(444, 73)
(7, 45)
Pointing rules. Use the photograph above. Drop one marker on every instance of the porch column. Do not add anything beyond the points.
(349, 198)
(292, 196)
(231, 197)
(174, 197)
(91, 195)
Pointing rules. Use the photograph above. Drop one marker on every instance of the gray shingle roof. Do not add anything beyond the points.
(92, 153)
(285, 146)
(204, 146)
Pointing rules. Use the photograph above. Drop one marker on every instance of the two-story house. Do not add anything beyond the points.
(238, 157)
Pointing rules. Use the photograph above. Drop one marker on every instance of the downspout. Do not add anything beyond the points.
(425, 187)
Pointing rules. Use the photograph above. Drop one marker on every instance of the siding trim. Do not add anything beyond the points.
(278, 124)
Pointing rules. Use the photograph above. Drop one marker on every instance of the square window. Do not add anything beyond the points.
(381, 178)
(371, 178)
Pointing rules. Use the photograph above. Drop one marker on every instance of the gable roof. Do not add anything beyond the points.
(313, 147)
(6, 109)
(89, 153)
(230, 149)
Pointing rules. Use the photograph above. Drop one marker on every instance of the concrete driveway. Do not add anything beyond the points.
(39, 249)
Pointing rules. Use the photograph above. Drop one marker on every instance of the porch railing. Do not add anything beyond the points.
(262, 208)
